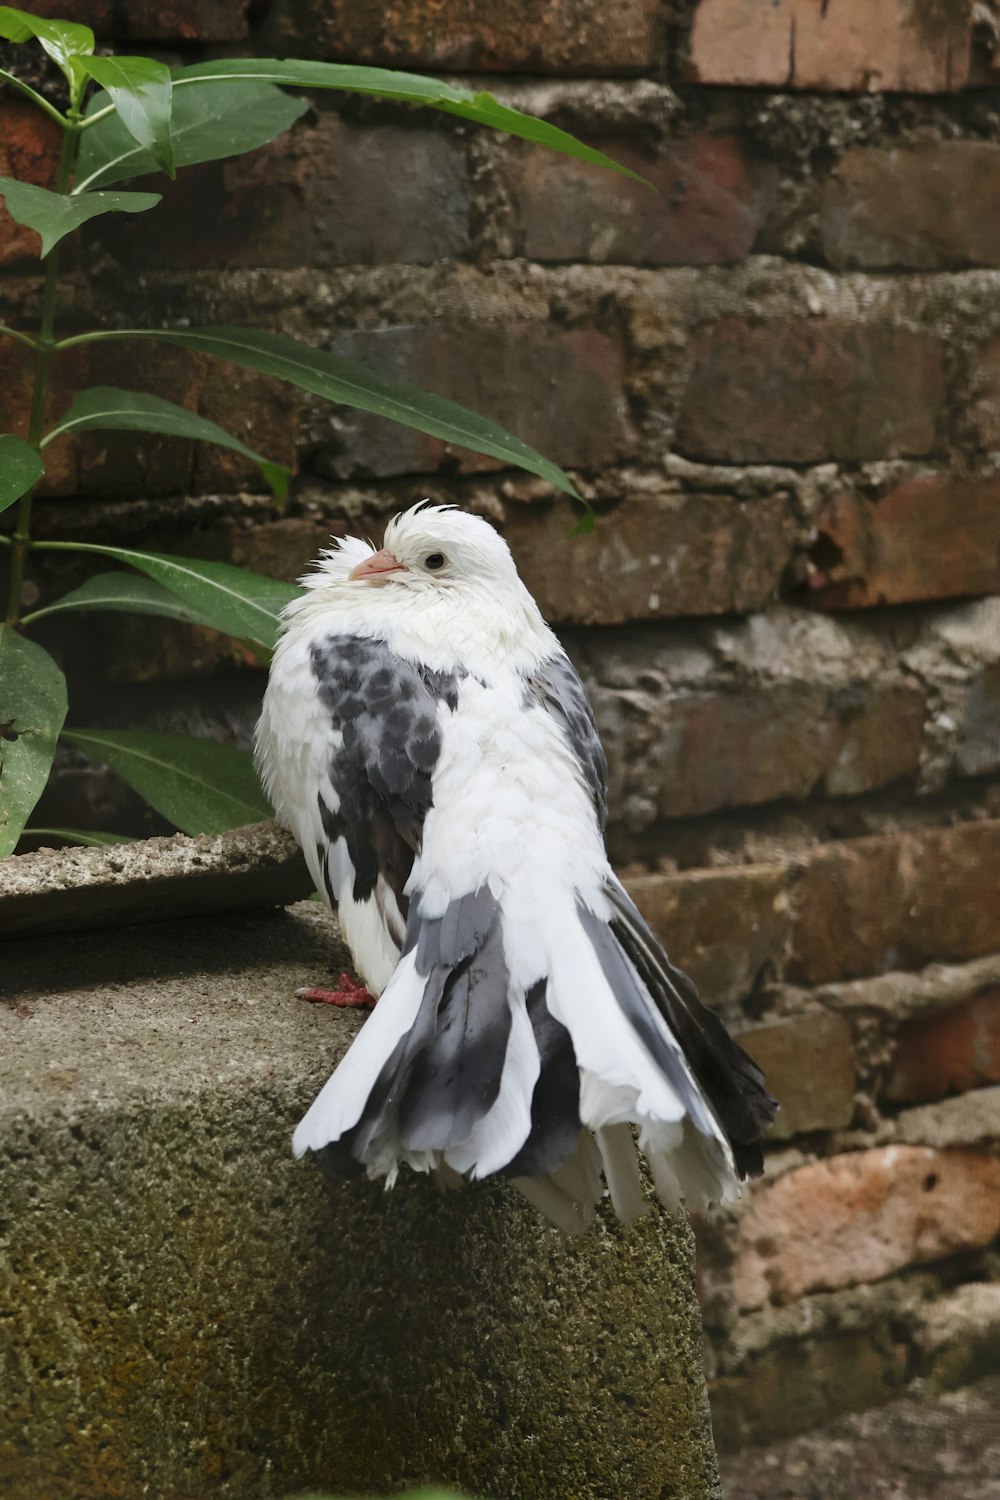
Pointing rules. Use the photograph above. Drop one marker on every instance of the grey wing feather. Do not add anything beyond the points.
(389, 739)
(556, 686)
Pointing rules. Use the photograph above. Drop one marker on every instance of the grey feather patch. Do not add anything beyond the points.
(385, 710)
(455, 1076)
(444, 1073)
(638, 1007)
(731, 1080)
(457, 935)
(555, 1103)
(556, 687)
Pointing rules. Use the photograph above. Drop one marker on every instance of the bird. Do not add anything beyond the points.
(428, 742)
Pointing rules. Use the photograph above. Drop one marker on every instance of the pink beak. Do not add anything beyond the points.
(379, 563)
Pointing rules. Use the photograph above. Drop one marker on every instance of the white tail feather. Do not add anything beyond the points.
(338, 1105)
(621, 1170)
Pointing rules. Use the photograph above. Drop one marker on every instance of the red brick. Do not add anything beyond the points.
(733, 749)
(559, 390)
(712, 198)
(261, 412)
(936, 536)
(155, 20)
(804, 391)
(654, 557)
(915, 46)
(561, 36)
(29, 150)
(984, 406)
(130, 464)
(67, 376)
(809, 1065)
(728, 929)
(947, 1053)
(804, 1384)
(868, 906)
(97, 14)
(183, 20)
(326, 195)
(930, 206)
(856, 1218)
(977, 752)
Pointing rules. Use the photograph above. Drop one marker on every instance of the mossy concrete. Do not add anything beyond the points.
(186, 1311)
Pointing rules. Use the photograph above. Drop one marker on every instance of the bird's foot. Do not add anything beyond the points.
(351, 994)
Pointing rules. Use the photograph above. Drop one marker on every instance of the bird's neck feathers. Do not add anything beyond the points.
(444, 628)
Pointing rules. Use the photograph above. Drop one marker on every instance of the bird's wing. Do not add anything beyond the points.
(384, 744)
(556, 687)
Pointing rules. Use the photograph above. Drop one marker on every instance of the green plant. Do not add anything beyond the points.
(127, 117)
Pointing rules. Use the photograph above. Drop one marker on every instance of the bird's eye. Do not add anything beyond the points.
(435, 561)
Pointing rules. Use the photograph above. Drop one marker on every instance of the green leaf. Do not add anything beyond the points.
(411, 88)
(89, 838)
(346, 381)
(20, 468)
(129, 593)
(54, 215)
(200, 786)
(208, 123)
(141, 91)
(32, 710)
(230, 599)
(107, 408)
(64, 41)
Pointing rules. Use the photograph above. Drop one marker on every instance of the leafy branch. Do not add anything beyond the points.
(128, 117)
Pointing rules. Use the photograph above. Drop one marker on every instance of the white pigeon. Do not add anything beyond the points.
(430, 745)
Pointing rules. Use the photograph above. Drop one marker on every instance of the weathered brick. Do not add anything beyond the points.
(935, 536)
(97, 14)
(16, 385)
(712, 197)
(858, 1217)
(977, 752)
(562, 36)
(928, 206)
(947, 1053)
(792, 739)
(281, 549)
(140, 650)
(806, 1383)
(183, 20)
(559, 390)
(262, 412)
(29, 150)
(329, 194)
(870, 905)
(728, 929)
(809, 1065)
(984, 404)
(129, 464)
(155, 20)
(803, 391)
(897, 45)
(655, 556)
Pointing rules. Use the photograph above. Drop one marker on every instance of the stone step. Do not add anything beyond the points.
(186, 1311)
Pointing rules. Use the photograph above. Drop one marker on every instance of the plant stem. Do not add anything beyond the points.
(14, 333)
(44, 349)
(36, 99)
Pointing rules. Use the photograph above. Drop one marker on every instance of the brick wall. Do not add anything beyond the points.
(779, 383)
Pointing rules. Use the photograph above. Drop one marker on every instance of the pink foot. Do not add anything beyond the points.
(350, 994)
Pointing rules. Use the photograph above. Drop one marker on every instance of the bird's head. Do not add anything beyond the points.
(443, 586)
(435, 548)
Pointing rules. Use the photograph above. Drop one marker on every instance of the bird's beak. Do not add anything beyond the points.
(376, 566)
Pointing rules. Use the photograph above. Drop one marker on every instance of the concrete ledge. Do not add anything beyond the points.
(61, 890)
(188, 1312)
